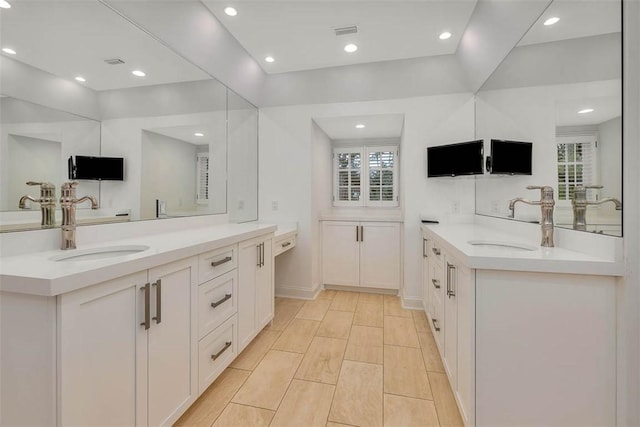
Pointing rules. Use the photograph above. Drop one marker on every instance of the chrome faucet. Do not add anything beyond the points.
(68, 204)
(47, 202)
(546, 204)
(580, 203)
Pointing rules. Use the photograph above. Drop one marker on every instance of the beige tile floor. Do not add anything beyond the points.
(345, 359)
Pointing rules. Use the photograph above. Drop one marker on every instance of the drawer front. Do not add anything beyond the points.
(215, 352)
(437, 323)
(436, 280)
(217, 301)
(214, 263)
(284, 245)
(436, 253)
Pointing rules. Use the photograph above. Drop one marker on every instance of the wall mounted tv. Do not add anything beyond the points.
(96, 168)
(510, 157)
(463, 158)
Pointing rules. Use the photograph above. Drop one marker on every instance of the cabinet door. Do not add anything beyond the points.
(380, 255)
(172, 340)
(99, 333)
(340, 253)
(264, 287)
(247, 270)
(451, 323)
(425, 274)
(465, 295)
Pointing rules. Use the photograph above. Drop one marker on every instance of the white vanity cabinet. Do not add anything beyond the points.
(522, 347)
(256, 299)
(126, 348)
(366, 254)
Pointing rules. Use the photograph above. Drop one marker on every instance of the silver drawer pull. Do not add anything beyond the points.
(218, 354)
(222, 261)
(217, 303)
(436, 251)
(285, 244)
(435, 325)
(435, 283)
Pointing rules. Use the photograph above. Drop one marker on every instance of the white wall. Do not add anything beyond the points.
(287, 173)
(610, 150)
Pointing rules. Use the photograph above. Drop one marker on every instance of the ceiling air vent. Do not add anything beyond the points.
(343, 31)
(114, 61)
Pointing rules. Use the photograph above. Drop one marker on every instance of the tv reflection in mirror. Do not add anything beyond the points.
(96, 168)
(510, 158)
(463, 158)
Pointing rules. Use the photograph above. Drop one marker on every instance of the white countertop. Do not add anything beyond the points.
(362, 214)
(36, 274)
(455, 239)
(285, 231)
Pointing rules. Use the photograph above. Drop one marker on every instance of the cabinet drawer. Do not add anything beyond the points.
(215, 352)
(214, 263)
(280, 246)
(217, 300)
(436, 280)
(435, 252)
(437, 323)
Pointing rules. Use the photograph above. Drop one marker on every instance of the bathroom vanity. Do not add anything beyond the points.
(132, 332)
(526, 333)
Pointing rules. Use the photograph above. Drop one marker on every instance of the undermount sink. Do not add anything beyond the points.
(502, 245)
(91, 254)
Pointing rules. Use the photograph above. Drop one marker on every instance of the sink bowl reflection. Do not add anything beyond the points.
(91, 254)
(502, 245)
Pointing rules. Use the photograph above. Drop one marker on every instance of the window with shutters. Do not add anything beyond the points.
(576, 163)
(202, 179)
(365, 176)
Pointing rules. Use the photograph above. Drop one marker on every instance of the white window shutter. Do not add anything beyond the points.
(202, 179)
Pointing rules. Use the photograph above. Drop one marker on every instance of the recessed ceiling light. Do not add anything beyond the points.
(9, 51)
(269, 59)
(230, 11)
(4, 4)
(350, 48)
(138, 73)
(198, 134)
(445, 35)
(586, 110)
(81, 79)
(360, 126)
(551, 21)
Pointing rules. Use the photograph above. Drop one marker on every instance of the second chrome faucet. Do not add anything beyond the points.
(68, 204)
(546, 204)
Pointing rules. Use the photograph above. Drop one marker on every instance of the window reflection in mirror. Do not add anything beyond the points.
(543, 92)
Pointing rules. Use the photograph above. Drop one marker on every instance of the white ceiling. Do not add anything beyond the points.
(605, 108)
(376, 126)
(300, 34)
(74, 37)
(578, 18)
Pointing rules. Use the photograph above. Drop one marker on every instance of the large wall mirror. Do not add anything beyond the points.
(189, 143)
(561, 89)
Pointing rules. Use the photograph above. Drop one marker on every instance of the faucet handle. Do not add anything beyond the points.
(537, 187)
(596, 187)
(41, 184)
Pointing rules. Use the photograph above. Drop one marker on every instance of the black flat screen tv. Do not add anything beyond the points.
(463, 158)
(96, 168)
(510, 157)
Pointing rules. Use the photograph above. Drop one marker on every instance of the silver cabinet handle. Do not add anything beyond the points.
(451, 270)
(220, 262)
(424, 248)
(285, 244)
(357, 233)
(259, 249)
(362, 233)
(217, 303)
(218, 354)
(158, 286)
(147, 299)
(435, 251)
(435, 325)
(262, 254)
(435, 283)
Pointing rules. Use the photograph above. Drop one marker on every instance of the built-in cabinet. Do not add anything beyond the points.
(139, 349)
(257, 292)
(521, 347)
(365, 254)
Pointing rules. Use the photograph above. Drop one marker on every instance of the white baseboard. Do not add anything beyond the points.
(362, 289)
(412, 303)
(288, 292)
